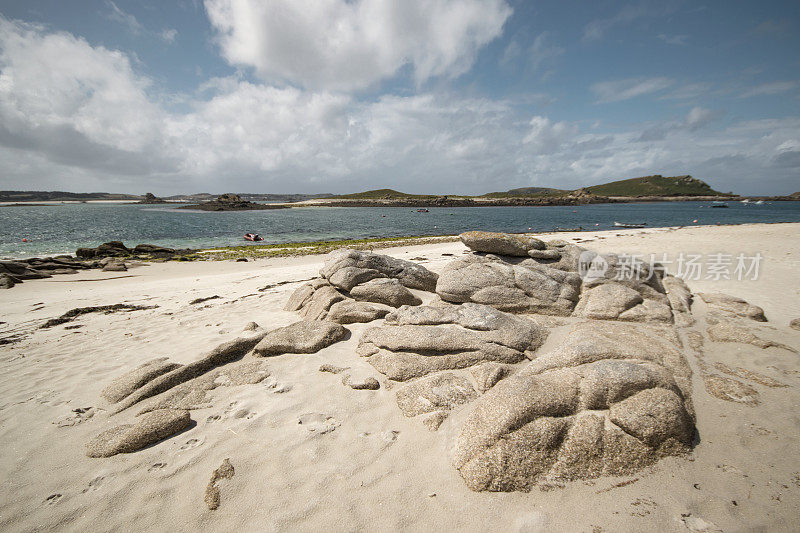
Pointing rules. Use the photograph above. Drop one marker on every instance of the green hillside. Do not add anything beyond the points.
(655, 186)
(528, 191)
(381, 194)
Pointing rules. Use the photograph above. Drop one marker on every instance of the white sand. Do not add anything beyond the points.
(377, 470)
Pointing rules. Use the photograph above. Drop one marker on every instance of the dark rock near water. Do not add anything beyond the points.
(231, 202)
(6, 281)
(150, 198)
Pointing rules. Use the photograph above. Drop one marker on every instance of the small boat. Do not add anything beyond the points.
(253, 237)
(423, 210)
(746, 201)
(719, 204)
(623, 225)
(760, 202)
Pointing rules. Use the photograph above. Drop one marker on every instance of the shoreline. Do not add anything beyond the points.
(303, 248)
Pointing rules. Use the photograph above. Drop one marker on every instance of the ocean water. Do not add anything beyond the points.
(63, 228)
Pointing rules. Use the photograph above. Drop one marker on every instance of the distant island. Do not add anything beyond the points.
(655, 188)
(232, 202)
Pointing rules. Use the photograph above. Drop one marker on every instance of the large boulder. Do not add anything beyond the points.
(347, 268)
(610, 399)
(616, 288)
(725, 305)
(20, 270)
(306, 336)
(509, 287)
(416, 341)
(313, 300)
(501, 243)
(152, 249)
(6, 281)
(386, 291)
(148, 429)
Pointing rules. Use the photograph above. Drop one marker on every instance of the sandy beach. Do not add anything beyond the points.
(310, 453)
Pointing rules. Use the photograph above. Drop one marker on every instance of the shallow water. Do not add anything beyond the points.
(63, 228)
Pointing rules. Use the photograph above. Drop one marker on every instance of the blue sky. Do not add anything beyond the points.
(434, 96)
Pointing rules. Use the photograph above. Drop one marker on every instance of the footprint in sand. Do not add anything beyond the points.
(318, 423)
(94, 484)
(53, 498)
(191, 443)
(156, 466)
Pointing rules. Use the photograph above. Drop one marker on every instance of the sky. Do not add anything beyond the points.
(422, 96)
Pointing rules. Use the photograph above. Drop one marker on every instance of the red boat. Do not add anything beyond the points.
(253, 237)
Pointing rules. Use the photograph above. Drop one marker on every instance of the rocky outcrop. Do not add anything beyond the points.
(232, 202)
(385, 291)
(306, 336)
(439, 392)
(125, 384)
(19, 270)
(610, 399)
(313, 300)
(6, 281)
(224, 353)
(150, 198)
(115, 266)
(351, 312)
(530, 287)
(725, 305)
(501, 243)
(416, 341)
(680, 300)
(148, 429)
(347, 268)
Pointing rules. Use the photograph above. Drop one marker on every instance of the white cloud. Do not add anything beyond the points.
(597, 29)
(699, 117)
(677, 40)
(126, 19)
(71, 100)
(766, 89)
(349, 45)
(78, 117)
(168, 35)
(547, 137)
(618, 90)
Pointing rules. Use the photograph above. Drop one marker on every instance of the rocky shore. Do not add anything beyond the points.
(232, 202)
(425, 377)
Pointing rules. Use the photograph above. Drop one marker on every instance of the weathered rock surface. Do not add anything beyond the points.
(6, 281)
(610, 399)
(385, 291)
(501, 243)
(351, 312)
(509, 287)
(416, 341)
(618, 289)
(305, 336)
(136, 378)
(222, 354)
(680, 300)
(347, 268)
(730, 390)
(314, 299)
(438, 392)
(115, 266)
(488, 374)
(148, 429)
(361, 382)
(727, 331)
(795, 323)
(567, 258)
(730, 306)
(20, 270)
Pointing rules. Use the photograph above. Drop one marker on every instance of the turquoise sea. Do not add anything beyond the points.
(62, 228)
